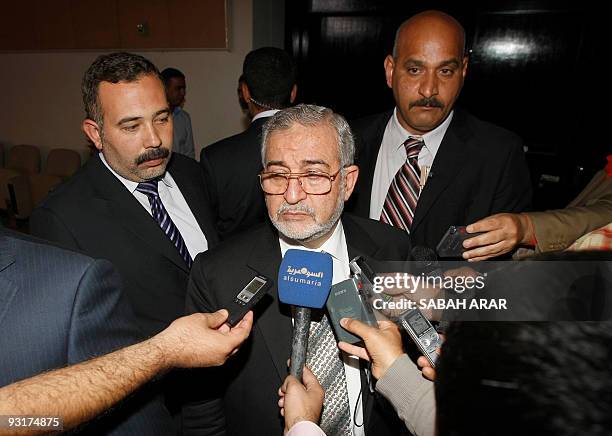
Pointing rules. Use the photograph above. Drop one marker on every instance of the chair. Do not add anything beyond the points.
(1, 155)
(62, 162)
(21, 159)
(24, 158)
(29, 190)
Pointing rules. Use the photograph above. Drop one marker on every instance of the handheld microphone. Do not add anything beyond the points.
(426, 261)
(304, 281)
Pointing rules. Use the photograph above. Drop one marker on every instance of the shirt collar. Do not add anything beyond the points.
(432, 139)
(333, 246)
(130, 184)
(265, 114)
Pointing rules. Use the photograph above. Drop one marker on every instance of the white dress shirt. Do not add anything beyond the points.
(182, 134)
(392, 155)
(175, 204)
(336, 247)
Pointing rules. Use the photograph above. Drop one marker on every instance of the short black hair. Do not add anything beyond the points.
(169, 73)
(545, 378)
(270, 74)
(113, 68)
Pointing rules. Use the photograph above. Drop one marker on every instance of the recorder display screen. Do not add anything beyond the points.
(418, 323)
(251, 289)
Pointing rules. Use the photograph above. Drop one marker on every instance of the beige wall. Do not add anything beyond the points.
(41, 101)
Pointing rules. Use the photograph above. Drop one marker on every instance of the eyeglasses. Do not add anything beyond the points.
(312, 182)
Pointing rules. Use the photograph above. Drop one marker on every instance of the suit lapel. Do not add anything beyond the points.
(115, 201)
(275, 323)
(367, 155)
(196, 201)
(447, 163)
(8, 288)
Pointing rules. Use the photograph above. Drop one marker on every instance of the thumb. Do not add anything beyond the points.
(309, 379)
(216, 319)
(355, 326)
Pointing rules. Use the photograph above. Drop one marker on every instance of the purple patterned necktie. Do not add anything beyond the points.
(160, 214)
(401, 200)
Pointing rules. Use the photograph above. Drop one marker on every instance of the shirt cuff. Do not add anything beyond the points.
(305, 428)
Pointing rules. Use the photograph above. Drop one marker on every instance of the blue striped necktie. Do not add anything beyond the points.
(160, 214)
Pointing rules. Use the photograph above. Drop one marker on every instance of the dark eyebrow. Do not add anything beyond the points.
(155, 115)
(448, 62)
(128, 119)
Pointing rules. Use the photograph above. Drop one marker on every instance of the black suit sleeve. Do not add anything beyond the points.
(210, 185)
(203, 413)
(514, 191)
(45, 224)
(101, 322)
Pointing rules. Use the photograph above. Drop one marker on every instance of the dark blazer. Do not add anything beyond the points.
(231, 167)
(58, 308)
(479, 170)
(249, 382)
(93, 212)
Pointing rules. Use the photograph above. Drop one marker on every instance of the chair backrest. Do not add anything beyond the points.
(62, 162)
(6, 175)
(24, 158)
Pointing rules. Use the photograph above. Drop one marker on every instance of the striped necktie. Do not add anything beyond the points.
(323, 359)
(160, 214)
(401, 200)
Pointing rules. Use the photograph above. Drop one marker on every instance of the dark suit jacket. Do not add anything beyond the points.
(249, 382)
(479, 170)
(231, 167)
(58, 308)
(93, 212)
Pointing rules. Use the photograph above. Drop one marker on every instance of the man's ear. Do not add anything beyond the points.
(352, 174)
(389, 66)
(293, 94)
(246, 93)
(92, 130)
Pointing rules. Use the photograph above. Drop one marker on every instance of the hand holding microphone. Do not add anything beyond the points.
(304, 281)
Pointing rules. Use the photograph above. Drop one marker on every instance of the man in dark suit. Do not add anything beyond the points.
(60, 308)
(231, 165)
(309, 174)
(107, 210)
(425, 166)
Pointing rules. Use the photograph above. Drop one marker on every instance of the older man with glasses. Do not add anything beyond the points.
(308, 174)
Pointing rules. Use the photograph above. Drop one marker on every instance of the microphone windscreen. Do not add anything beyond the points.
(305, 278)
(424, 257)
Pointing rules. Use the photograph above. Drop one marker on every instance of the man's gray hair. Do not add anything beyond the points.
(311, 115)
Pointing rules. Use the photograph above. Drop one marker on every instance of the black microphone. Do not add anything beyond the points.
(304, 281)
(426, 261)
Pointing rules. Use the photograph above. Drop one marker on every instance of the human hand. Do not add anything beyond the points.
(383, 344)
(426, 369)
(503, 232)
(301, 402)
(202, 339)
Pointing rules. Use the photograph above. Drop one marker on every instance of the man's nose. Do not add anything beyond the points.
(294, 193)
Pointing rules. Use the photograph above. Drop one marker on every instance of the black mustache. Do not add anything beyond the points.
(152, 154)
(427, 102)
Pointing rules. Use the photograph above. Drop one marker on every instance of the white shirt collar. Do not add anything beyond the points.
(432, 139)
(265, 114)
(131, 185)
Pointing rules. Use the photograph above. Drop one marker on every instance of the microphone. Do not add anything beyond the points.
(426, 261)
(304, 281)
